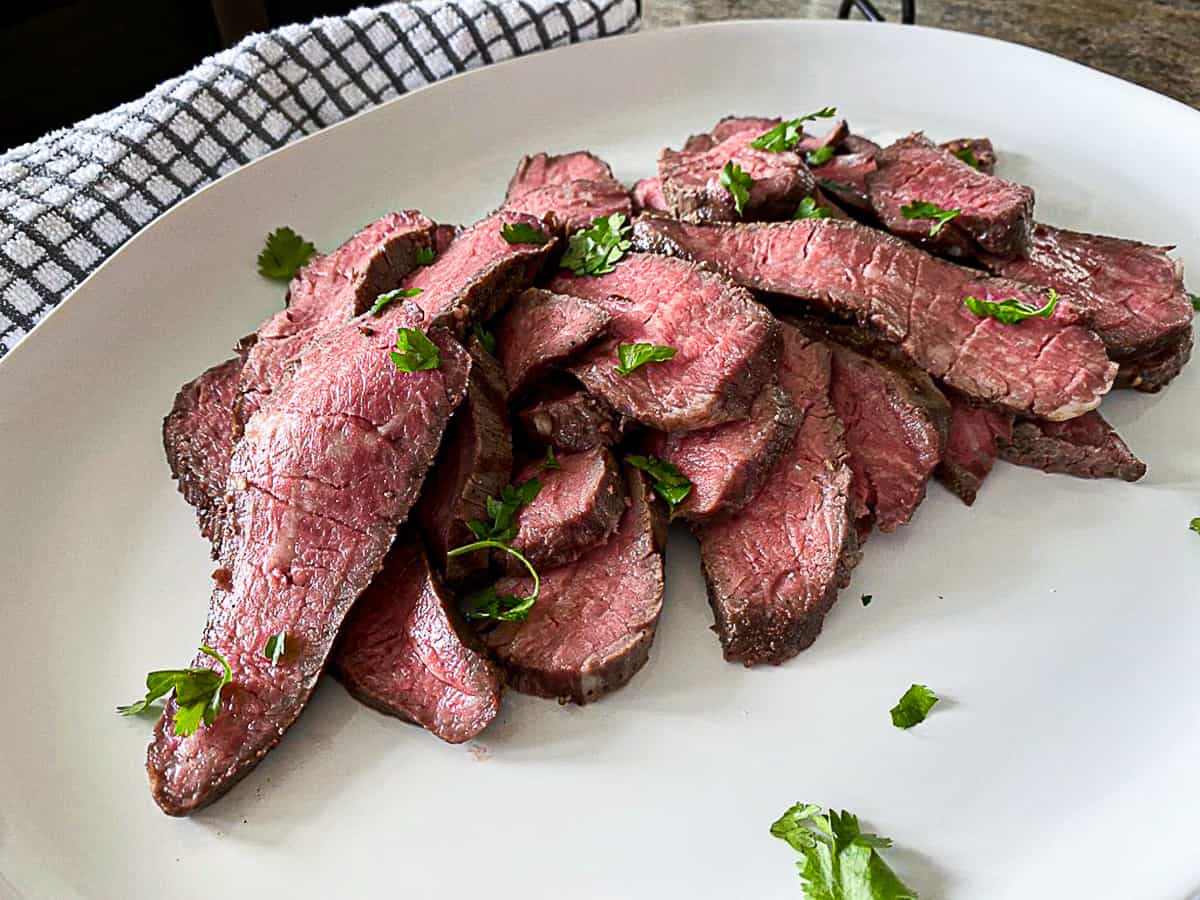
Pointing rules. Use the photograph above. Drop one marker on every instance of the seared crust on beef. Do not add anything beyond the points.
(976, 435)
(571, 420)
(1086, 447)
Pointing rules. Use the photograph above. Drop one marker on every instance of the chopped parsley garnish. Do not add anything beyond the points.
(486, 339)
(633, 356)
(596, 249)
(285, 254)
(273, 649)
(914, 706)
(808, 209)
(384, 299)
(1194, 525)
(666, 480)
(197, 693)
(967, 155)
(923, 209)
(836, 186)
(867, 598)
(488, 603)
(738, 183)
(425, 255)
(820, 156)
(786, 135)
(1012, 310)
(503, 510)
(415, 352)
(550, 462)
(522, 233)
(841, 862)
(1195, 298)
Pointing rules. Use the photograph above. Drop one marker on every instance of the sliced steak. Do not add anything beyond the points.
(774, 569)
(328, 292)
(856, 143)
(577, 509)
(996, 215)
(844, 177)
(475, 463)
(647, 195)
(571, 206)
(691, 181)
(1133, 293)
(838, 132)
(981, 149)
(1086, 447)
(403, 651)
(727, 128)
(544, 170)
(325, 472)
(571, 420)
(592, 626)
(543, 329)
(972, 445)
(1152, 372)
(1049, 368)
(726, 344)
(727, 464)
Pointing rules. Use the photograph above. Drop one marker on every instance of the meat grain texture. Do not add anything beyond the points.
(542, 329)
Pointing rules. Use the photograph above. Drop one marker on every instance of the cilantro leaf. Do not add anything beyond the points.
(384, 299)
(820, 156)
(1195, 298)
(914, 706)
(923, 209)
(486, 339)
(808, 209)
(786, 135)
(285, 254)
(550, 462)
(1194, 525)
(633, 356)
(666, 480)
(1011, 310)
(967, 155)
(415, 352)
(273, 649)
(596, 249)
(522, 233)
(841, 862)
(866, 599)
(503, 511)
(738, 183)
(197, 693)
(425, 256)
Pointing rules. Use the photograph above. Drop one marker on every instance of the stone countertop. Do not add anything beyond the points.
(1155, 43)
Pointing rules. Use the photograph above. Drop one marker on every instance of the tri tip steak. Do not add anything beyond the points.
(542, 329)
(1086, 447)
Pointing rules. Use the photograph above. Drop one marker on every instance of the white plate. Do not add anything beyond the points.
(1058, 617)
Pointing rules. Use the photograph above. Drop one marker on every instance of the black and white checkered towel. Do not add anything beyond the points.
(70, 199)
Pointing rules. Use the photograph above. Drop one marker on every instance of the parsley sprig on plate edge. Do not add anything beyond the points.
(197, 693)
(284, 254)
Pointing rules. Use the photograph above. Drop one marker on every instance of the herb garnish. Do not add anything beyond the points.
(633, 356)
(425, 256)
(1194, 525)
(666, 480)
(867, 598)
(486, 339)
(550, 462)
(522, 233)
(840, 861)
(595, 250)
(285, 254)
(820, 156)
(1195, 298)
(273, 649)
(923, 209)
(384, 299)
(197, 693)
(967, 155)
(808, 209)
(415, 352)
(914, 706)
(1011, 310)
(503, 511)
(738, 183)
(786, 135)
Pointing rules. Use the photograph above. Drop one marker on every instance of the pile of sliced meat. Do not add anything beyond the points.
(823, 368)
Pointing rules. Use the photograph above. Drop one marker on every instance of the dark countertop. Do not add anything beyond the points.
(1155, 43)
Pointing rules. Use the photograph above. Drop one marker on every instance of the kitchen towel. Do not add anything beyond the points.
(70, 199)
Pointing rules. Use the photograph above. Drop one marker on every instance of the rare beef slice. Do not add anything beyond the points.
(1086, 447)
(972, 445)
(567, 191)
(543, 329)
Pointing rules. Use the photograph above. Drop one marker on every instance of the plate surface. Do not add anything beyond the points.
(1059, 618)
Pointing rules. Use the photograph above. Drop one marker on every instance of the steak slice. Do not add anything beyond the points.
(1051, 368)
(543, 329)
(324, 474)
(981, 148)
(1086, 447)
(996, 215)
(475, 463)
(972, 445)
(591, 628)
(568, 207)
(577, 509)
(647, 195)
(727, 128)
(1152, 372)
(571, 420)
(727, 464)
(774, 569)
(691, 181)
(544, 170)
(328, 292)
(726, 344)
(402, 651)
(844, 177)
(1133, 293)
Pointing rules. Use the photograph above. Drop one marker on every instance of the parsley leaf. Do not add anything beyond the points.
(487, 603)
(415, 352)
(786, 135)
(550, 462)
(820, 156)
(273, 649)
(486, 339)
(738, 183)
(1194, 525)
(503, 510)
(666, 480)
(914, 706)
(923, 209)
(1011, 310)
(596, 249)
(197, 693)
(841, 862)
(866, 599)
(522, 233)
(633, 356)
(967, 155)
(425, 256)
(384, 299)
(285, 254)
(1195, 298)
(808, 209)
